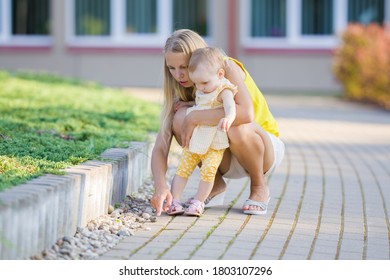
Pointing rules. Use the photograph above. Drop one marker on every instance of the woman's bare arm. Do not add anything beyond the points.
(159, 169)
(244, 105)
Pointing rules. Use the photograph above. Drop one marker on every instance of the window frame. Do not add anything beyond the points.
(8, 39)
(118, 37)
(294, 39)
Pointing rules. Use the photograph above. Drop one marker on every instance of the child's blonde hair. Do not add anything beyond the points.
(181, 41)
(212, 57)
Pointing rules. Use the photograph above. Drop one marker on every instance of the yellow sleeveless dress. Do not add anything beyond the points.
(263, 115)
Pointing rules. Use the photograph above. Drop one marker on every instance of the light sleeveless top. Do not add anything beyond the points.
(263, 115)
(205, 137)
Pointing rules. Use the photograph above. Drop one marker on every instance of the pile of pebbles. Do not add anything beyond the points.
(104, 232)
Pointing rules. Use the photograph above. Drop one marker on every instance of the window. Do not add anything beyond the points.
(25, 22)
(304, 24)
(30, 17)
(317, 17)
(92, 17)
(141, 16)
(191, 14)
(366, 11)
(135, 23)
(268, 18)
(1, 16)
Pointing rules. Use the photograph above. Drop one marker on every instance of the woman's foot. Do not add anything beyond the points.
(255, 207)
(261, 195)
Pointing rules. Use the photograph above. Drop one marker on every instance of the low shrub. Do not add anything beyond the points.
(362, 64)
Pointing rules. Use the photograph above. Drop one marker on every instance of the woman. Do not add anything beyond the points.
(255, 149)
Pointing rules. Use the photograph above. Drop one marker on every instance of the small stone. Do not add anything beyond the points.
(149, 210)
(56, 248)
(69, 240)
(90, 226)
(153, 219)
(37, 257)
(104, 227)
(96, 244)
(110, 209)
(65, 251)
(146, 216)
(108, 238)
(116, 212)
(123, 233)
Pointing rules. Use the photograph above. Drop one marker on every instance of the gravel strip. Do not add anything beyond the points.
(103, 233)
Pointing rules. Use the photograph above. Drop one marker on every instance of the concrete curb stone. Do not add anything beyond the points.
(34, 215)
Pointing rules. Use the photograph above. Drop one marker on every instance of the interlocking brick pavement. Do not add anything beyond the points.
(330, 197)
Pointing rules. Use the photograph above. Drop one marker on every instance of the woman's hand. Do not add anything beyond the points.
(187, 130)
(182, 104)
(158, 199)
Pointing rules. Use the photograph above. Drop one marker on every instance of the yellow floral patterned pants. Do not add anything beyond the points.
(210, 163)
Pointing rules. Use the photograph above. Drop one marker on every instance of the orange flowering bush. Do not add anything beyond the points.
(362, 64)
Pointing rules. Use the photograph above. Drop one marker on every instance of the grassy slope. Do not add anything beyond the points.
(48, 123)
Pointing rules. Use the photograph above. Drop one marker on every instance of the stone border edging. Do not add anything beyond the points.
(34, 215)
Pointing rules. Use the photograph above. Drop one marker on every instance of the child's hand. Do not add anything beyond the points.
(224, 124)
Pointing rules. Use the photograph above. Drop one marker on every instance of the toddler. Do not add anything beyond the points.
(208, 143)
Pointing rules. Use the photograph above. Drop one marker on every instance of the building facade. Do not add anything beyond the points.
(286, 45)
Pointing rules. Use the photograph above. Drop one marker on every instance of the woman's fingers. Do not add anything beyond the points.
(157, 201)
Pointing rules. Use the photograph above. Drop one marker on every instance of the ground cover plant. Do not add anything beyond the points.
(48, 123)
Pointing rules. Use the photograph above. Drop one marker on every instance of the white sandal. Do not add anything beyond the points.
(263, 206)
(216, 200)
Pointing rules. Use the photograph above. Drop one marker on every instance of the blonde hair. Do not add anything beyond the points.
(212, 57)
(181, 41)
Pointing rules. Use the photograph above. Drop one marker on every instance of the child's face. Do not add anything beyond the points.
(205, 79)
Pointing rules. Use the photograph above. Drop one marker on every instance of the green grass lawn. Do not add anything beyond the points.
(48, 123)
